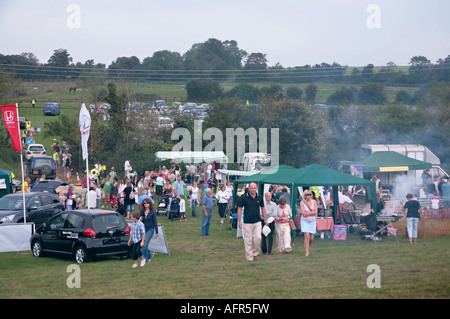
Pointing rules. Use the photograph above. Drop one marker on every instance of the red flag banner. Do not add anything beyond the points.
(9, 113)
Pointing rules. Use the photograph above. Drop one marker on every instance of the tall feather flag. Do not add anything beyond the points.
(85, 127)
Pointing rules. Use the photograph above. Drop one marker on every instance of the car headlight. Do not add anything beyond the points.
(8, 218)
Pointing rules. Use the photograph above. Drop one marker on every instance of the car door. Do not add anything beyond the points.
(49, 207)
(35, 211)
(51, 233)
(70, 232)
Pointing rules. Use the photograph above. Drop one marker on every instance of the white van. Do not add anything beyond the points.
(255, 162)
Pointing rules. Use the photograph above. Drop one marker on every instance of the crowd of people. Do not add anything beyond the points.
(266, 220)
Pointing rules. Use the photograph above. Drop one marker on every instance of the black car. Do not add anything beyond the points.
(83, 234)
(48, 186)
(39, 207)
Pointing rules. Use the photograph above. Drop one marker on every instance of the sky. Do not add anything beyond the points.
(289, 32)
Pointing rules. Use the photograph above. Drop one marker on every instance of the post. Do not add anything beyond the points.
(21, 165)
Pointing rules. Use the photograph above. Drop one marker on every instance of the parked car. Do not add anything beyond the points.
(189, 108)
(48, 186)
(41, 165)
(83, 234)
(160, 105)
(22, 122)
(52, 109)
(165, 122)
(38, 207)
(34, 150)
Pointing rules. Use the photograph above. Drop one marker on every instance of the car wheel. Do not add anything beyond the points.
(80, 255)
(37, 249)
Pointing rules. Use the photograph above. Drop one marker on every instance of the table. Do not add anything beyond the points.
(388, 220)
(324, 223)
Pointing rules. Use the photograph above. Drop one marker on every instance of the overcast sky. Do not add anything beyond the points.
(291, 32)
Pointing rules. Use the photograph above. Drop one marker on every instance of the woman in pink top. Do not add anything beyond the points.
(282, 228)
(308, 209)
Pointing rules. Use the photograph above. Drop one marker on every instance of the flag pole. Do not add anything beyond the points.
(88, 182)
(21, 165)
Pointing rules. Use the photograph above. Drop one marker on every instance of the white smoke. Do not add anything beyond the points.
(403, 185)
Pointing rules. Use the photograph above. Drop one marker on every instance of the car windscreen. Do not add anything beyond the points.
(36, 148)
(104, 222)
(39, 162)
(11, 203)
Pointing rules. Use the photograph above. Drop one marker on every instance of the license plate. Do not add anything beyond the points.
(35, 172)
(36, 153)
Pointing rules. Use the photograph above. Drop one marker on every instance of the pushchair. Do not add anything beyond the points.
(163, 205)
(113, 201)
(174, 210)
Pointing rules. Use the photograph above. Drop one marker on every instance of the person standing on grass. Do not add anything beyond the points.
(308, 209)
(137, 240)
(148, 218)
(195, 191)
(271, 211)
(207, 212)
(414, 210)
(222, 197)
(252, 202)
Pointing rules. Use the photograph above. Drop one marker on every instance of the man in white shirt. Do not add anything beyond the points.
(271, 211)
(91, 201)
(127, 168)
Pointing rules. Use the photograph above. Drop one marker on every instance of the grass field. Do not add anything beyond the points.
(214, 267)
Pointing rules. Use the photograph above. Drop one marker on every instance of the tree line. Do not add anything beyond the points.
(220, 61)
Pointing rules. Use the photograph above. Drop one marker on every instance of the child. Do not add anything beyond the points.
(137, 238)
(182, 208)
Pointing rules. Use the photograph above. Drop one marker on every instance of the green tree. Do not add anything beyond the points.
(299, 131)
(256, 61)
(293, 92)
(245, 92)
(118, 102)
(60, 58)
(372, 93)
(203, 90)
(163, 60)
(311, 93)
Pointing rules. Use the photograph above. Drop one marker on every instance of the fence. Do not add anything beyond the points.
(432, 223)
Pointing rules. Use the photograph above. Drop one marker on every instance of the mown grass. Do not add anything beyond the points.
(214, 267)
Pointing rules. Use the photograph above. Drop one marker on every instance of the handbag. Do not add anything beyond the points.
(292, 224)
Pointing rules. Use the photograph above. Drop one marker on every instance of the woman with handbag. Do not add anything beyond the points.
(282, 226)
(308, 209)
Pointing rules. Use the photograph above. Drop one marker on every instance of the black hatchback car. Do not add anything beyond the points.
(83, 234)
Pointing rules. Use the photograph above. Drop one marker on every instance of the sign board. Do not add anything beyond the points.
(159, 244)
(30, 140)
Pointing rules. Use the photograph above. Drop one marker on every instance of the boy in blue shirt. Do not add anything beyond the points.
(137, 238)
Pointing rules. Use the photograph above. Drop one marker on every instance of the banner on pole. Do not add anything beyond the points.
(85, 127)
(10, 117)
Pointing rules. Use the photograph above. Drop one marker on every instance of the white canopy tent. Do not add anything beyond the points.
(191, 157)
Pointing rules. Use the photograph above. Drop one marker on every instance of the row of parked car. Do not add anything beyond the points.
(80, 234)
